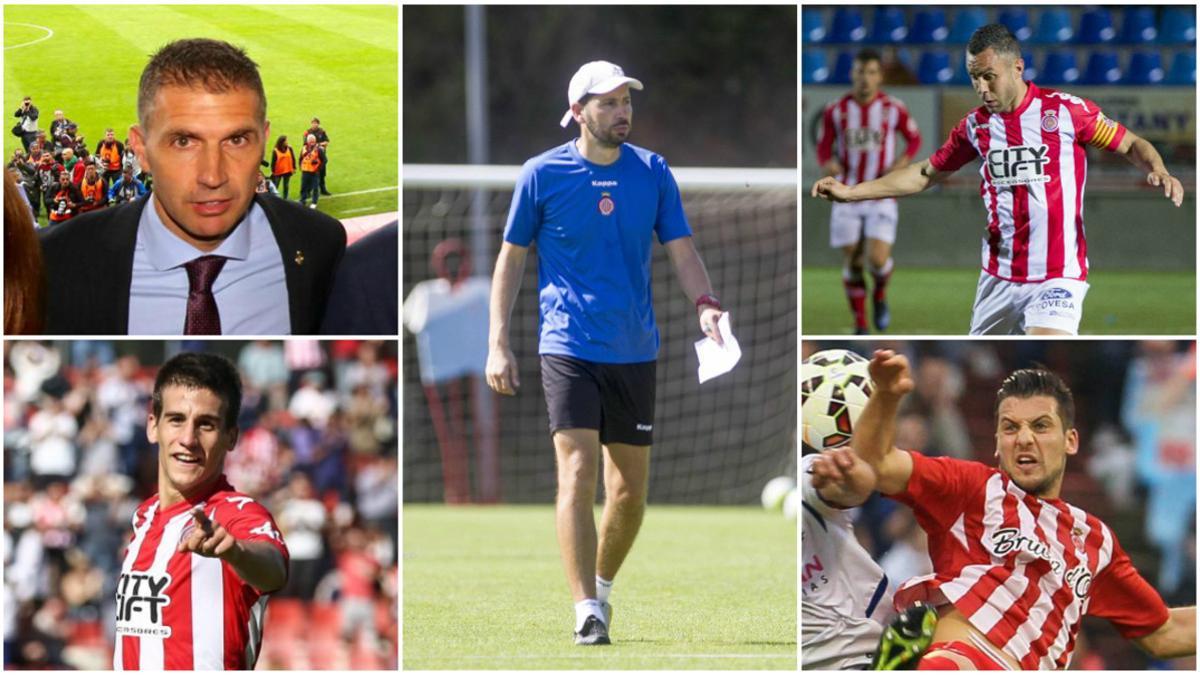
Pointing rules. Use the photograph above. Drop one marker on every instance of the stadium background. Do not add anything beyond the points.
(1135, 470)
(1137, 63)
(335, 62)
(720, 91)
(318, 447)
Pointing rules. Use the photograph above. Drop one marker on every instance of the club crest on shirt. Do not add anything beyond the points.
(606, 204)
(1049, 121)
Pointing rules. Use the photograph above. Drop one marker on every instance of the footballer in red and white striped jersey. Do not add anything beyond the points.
(858, 144)
(184, 611)
(1023, 570)
(1033, 177)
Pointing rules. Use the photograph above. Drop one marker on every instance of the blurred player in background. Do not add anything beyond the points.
(858, 144)
(193, 588)
(1015, 567)
(594, 205)
(1033, 143)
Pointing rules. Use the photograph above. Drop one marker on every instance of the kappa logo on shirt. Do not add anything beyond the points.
(1018, 165)
(141, 599)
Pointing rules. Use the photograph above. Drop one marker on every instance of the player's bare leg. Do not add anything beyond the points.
(879, 259)
(577, 454)
(1039, 330)
(626, 480)
(855, 285)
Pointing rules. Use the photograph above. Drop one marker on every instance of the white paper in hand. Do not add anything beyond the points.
(718, 359)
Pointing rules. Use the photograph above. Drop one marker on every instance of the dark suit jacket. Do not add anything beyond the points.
(89, 266)
(365, 297)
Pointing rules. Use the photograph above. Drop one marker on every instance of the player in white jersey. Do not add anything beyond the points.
(858, 144)
(1032, 140)
(845, 601)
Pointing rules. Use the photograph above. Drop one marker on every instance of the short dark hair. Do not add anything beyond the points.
(214, 65)
(867, 55)
(196, 370)
(998, 37)
(1029, 382)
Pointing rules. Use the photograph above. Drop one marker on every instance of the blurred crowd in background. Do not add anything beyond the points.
(1136, 467)
(318, 447)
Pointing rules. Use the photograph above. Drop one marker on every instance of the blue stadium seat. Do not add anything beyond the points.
(1096, 27)
(1177, 25)
(1017, 21)
(934, 67)
(1102, 68)
(842, 68)
(929, 25)
(816, 67)
(1054, 27)
(1138, 27)
(812, 26)
(958, 66)
(1060, 68)
(847, 26)
(1145, 68)
(888, 26)
(1031, 69)
(1183, 69)
(966, 21)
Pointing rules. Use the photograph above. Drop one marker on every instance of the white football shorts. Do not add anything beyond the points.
(1012, 308)
(875, 219)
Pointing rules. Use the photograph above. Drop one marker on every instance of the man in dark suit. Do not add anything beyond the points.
(202, 254)
(365, 297)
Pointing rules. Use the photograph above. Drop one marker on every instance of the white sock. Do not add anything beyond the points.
(603, 588)
(584, 609)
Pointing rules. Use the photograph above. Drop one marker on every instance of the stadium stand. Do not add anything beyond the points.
(318, 446)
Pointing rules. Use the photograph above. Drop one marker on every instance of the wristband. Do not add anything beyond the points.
(709, 300)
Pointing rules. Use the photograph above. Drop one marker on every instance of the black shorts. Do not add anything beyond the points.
(617, 399)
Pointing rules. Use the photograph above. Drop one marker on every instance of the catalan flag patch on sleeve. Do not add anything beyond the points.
(1106, 131)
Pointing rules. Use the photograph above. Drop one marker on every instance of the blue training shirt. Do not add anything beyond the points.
(593, 226)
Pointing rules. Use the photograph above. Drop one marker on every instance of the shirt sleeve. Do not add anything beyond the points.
(1093, 127)
(907, 127)
(1120, 595)
(247, 520)
(671, 222)
(956, 151)
(939, 487)
(524, 215)
(825, 142)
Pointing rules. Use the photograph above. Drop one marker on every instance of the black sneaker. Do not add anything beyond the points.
(607, 609)
(594, 632)
(861, 331)
(881, 314)
(905, 640)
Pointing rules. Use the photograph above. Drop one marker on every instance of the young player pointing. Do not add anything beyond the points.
(1032, 142)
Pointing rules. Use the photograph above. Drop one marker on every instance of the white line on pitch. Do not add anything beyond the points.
(363, 208)
(49, 34)
(512, 657)
(363, 192)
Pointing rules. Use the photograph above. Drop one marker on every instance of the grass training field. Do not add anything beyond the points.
(938, 302)
(335, 62)
(706, 588)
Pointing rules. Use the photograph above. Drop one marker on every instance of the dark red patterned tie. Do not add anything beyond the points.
(202, 316)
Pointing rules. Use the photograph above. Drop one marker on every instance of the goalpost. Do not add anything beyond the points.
(715, 443)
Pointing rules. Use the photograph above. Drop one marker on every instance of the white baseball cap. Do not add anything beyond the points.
(595, 77)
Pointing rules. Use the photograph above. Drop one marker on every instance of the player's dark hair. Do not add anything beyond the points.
(1029, 382)
(195, 370)
(866, 55)
(212, 65)
(998, 37)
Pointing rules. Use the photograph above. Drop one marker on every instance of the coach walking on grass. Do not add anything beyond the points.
(593, 205)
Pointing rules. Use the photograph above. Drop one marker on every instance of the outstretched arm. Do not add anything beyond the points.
(501, 369)
(1175, 638)
(693, 277)
(875, 430)
(1141, 153)
(842, 479)
(903, 182)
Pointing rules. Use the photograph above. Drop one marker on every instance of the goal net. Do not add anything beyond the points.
(715, 443)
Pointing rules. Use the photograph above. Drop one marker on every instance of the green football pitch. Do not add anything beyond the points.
(704, 588)
(938, 302)
(335, 62)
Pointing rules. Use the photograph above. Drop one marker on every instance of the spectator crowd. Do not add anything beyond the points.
(318, 447)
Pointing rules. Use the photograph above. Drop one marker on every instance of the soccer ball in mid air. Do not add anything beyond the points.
(834, 387)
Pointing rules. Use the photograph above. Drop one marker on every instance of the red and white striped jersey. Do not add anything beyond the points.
(1034, 171)
(864, 136)
(1023, 570)
(184, 611)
